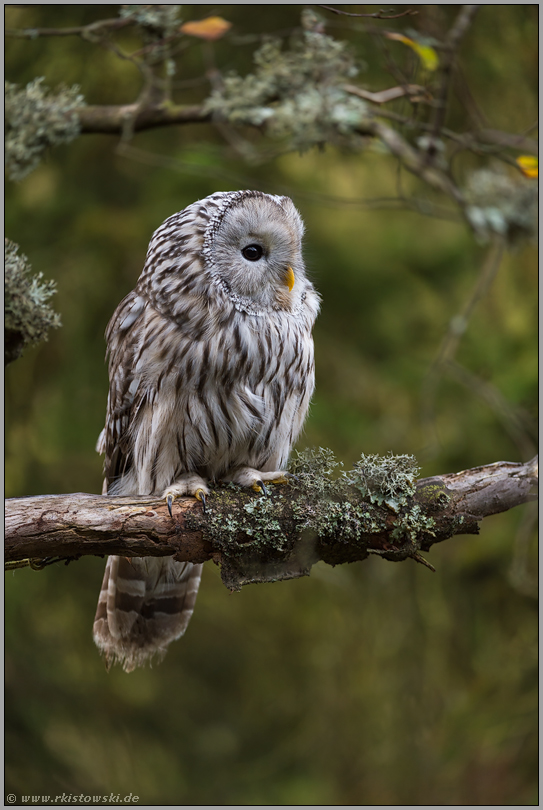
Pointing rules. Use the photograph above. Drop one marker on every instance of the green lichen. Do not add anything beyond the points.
(36, 119)
(297, 93)
(411, 524)
(161, 20)
(236, 520)
(254, 534)
(314, 468)
(433, 494)
(388, 480)
(28, 316)
(322, 513)
(502, 204)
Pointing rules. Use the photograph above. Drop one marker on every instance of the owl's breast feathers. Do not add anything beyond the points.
(207, 390)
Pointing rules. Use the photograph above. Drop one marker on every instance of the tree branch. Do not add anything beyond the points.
(257, 539)
(414, 161)
(113, 119)
(378, 15)
(449, 51)
(113, 24)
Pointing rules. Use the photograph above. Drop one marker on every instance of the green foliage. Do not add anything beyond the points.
(27, 313)
(36, 119)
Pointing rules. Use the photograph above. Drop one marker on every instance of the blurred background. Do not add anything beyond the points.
(371, 683)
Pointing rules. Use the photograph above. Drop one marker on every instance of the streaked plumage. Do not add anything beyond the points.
(211, 372)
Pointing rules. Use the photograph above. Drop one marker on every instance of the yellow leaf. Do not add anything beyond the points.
(210, 28)
(426, 54)
(528, 165)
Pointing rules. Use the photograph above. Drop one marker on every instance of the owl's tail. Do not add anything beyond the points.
(145, 603)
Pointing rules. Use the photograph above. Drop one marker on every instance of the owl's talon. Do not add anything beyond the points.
(169, 501)
(200, 496)
(259, 485)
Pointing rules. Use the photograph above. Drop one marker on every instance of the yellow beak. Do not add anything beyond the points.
(289, 278)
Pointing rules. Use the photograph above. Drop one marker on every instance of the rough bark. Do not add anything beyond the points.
(256, 539)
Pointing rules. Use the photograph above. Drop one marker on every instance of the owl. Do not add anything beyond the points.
(211, 371)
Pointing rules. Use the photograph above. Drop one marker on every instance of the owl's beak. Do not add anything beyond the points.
(289, 278)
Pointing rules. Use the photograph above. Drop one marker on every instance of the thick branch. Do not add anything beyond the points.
(255, 539)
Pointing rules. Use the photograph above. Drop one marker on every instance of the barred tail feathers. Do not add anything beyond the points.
(145, 603)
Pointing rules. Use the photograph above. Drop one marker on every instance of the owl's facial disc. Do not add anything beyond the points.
(258, 253)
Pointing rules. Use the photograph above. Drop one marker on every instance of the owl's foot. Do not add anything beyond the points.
(187, 484)
(249, 477)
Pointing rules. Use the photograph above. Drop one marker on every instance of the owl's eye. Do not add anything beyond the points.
(252, 252)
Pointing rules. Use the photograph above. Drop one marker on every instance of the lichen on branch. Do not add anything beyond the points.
(298, 94)
(28, 316)
(160, 19)
(36, 119)
(500, 204)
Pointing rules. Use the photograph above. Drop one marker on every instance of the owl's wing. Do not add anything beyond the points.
(125, 396)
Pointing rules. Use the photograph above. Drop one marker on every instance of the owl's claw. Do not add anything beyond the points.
(258, 486)
(200, 495)
(186, 484)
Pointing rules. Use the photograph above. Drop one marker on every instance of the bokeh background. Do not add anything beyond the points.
(371, 683)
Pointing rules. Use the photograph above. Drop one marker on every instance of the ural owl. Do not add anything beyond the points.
(211, 372)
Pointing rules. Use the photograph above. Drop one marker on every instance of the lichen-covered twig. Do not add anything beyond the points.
(27, 314)
(37, 119)
(84, 31)
(377, 15)
(377, 508)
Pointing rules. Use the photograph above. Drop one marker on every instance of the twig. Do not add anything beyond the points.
(415, 161)
(33, 33)
(457, 326)
(449, 50)
(518, 423)
(383, 96)
(378, 15)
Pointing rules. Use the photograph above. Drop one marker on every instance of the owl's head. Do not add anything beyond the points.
(253, 248)
(241, 246)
